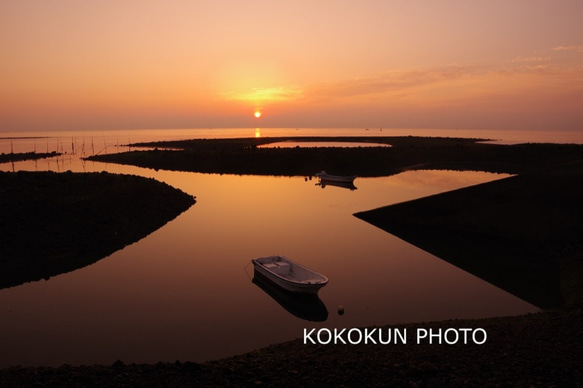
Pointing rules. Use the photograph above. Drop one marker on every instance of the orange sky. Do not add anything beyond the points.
(70, 65)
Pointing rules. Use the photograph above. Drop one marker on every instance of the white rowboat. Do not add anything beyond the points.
(335, 178)
(289, 275)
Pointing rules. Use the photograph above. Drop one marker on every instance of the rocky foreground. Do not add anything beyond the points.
(537, 350)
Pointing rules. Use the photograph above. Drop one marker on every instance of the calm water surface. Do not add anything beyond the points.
(185, 291)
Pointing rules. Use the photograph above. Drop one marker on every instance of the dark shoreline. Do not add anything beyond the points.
(537, 349)
(244, 156)
(523, 233)
(54, 223)
(17, 157)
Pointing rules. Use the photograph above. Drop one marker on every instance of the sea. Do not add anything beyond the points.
(186, 291)
(109, 140)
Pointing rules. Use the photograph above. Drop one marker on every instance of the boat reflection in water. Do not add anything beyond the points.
(304, 306)
(344, 185)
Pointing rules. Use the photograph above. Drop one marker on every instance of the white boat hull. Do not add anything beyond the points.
(289, 275)
(335, 178)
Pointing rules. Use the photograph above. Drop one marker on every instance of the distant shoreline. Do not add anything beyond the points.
(244, 156)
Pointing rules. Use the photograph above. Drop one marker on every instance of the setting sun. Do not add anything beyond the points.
(130, 73)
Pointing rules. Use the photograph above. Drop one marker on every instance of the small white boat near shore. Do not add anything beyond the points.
(289, 275)
(335, 178)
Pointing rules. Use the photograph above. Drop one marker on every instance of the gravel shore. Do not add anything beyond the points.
(536, 350)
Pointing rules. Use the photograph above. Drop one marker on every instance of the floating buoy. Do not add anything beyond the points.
(340, 310)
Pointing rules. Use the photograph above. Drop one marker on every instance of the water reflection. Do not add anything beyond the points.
(319, 144)
(304, 306)
(344, 185)
(179, 293)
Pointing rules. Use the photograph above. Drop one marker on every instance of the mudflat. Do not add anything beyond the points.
(56, 222)
(15, 157)
(523, 233)
(245, 156)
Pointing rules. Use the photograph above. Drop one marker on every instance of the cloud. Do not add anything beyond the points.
(569, 48)
(262, 95)
(520, 73)
(530, 59)
(392, 81)
(429, 85)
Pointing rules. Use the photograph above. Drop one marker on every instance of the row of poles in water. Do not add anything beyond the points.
(61, 153)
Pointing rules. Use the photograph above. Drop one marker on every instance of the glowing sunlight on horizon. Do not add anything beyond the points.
(110, 65)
